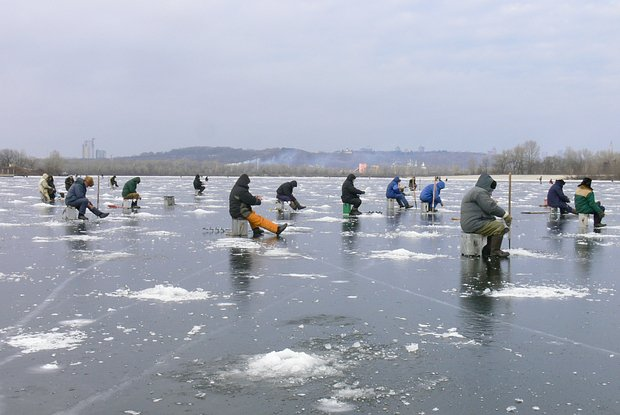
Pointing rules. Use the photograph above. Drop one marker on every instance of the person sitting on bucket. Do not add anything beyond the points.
(426, 195)
(479, 212)
(557, 199)
(350, 195)
(129, 192)
(240, 202)
(285, 194)
(45, 189)
(198, 185)
(76, 197)
(393, 191)
(585, 202)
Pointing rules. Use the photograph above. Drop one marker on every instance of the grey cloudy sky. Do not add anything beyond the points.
(319, 75)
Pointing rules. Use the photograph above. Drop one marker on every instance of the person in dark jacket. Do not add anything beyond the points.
(585, 202)
(198, 185)
(426, 195)
(68, 182)
(479, 212)
(350, 194)
(113, 183)
(393, 192)
(76, 197)
(285, 194)
(240, 202)
(557, 199)
(130, 192)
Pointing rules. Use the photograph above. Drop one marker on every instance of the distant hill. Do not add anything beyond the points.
(347, 159)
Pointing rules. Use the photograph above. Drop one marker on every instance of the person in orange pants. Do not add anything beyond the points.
(240, 202)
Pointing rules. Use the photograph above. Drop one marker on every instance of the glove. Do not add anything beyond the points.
(508, 220)
(363, 192)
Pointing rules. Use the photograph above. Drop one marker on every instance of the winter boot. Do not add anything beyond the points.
(257, 232)
(99, 213)
(81, 216)
(134, 204)
(354, 211)
(496, 243)
(281, 228)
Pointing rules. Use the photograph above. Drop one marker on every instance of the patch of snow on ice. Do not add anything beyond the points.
(539, 291)
(35, 342)
(202, 212)
(289, 364)
(333, 405)
(78, 322)
(236, 243)
(328, 219)
(165, 293)
(282, 253)
(304, 276)
(161, 233)
(400, 254)
(414, 234)
(412, 348)
(531, 254)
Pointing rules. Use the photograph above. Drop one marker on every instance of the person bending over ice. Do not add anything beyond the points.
(130, 192)
(285, 194)
(426, 195)
(240, 202)
(557, 199)
(479, 212)
(76, 197)
(394, 191)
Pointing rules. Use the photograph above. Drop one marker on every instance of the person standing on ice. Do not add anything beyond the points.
(285, 194)
(240, 202)
(393, 191)
(76, 197)
(585, 202)
(350, 195)
(557, 199)
(479, 212)
(426, 195)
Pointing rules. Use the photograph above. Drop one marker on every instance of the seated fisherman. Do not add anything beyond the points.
(129, 192)
(430, 191)
(285, 194)
(198, 185)
(76, 197)
(557, 199)
(394, 191)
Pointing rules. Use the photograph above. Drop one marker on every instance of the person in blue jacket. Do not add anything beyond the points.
(393, 192)
(76, 197)
(426, 195)
(557, 199)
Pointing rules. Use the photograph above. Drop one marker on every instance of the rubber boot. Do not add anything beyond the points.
(281, 228)
(355, 211)
(82, 217)
(257, 232)
(496, 244)
(99, 213)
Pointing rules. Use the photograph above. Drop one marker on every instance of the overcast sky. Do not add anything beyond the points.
(318, 75)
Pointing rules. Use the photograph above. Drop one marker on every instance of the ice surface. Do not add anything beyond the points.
(162, 311)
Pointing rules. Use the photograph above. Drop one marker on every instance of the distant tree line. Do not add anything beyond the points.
(524, 158)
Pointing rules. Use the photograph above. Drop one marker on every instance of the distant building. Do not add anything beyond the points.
(88, 149)
(100, 154)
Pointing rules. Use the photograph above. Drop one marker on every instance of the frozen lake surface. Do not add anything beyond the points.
(161, 312)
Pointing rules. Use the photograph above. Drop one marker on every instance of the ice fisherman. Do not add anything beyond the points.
(479, 212)
(68, 182)
(76, 197)
(240, 202)
(585, 202)
(426, 195)
(46, 190)
(130, 192)
(199, 185)
(557, 199)
(284, 193)
(394, 191)
(113, 182)
(350, 194)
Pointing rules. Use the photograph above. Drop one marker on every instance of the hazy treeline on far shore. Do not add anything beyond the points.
(524, 158)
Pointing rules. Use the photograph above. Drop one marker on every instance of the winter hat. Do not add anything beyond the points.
(586, 182)
(560, 182)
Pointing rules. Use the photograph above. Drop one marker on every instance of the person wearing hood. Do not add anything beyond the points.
(479, 212)
(557, 199)
(198, 185)
(76, 197)
(68, 182)
(585, 202)
(45, 189)
(113, 182)
(393, 192)
(350, 195)
(285, 194)
(130, 191)
(240, 202)
(426, 195)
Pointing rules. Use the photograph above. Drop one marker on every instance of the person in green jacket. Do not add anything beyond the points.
(129, 192)
(585, 202)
